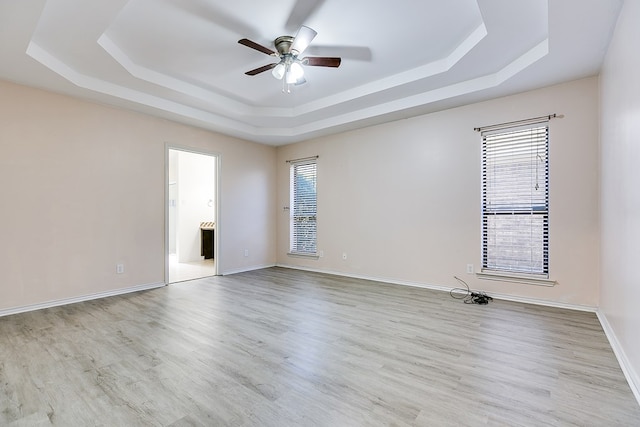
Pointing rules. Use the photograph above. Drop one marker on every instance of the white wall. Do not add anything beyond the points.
(196, 202)
(620, 191)
(403, 199)
(84, 188)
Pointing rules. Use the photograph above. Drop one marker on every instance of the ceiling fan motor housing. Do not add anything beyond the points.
(283, 44)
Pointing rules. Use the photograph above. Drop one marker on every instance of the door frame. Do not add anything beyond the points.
(217, 234)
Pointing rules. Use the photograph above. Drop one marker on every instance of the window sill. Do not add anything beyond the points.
(303, 255)
(516, 278)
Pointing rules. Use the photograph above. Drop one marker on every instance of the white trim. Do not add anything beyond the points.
(516, 278)
(627, 368)
(544, 302)
(372, 278)
(83, 298)
(216, 236)
(246, 269)
(303, 255)
(504, 297)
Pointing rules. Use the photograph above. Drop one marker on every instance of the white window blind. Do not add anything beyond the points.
(515, 200)
(303, 207)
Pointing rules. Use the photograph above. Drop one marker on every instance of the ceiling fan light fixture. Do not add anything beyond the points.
(278, 71)
(294, 73)
(290, 79)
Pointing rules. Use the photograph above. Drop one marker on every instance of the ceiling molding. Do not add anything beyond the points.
(180, 60)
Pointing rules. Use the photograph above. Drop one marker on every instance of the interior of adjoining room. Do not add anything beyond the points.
(191, 218)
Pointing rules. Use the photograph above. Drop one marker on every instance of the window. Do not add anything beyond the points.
(515, 200)
(303, 207)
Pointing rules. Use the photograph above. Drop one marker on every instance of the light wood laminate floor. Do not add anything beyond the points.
(183, 271)
(280, 347)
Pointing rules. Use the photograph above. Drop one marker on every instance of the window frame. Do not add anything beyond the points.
(299, 219)
(491, 209)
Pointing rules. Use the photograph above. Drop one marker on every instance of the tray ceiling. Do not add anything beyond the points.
(179, 59)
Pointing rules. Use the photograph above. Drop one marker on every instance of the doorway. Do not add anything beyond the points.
(191, 224)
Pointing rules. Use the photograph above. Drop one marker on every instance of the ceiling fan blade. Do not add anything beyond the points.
(302, 40)
(301, 11)
(356, 53)
(260, 69)
(256, 46)
(322, 61)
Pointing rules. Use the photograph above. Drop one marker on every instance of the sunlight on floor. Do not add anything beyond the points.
(181, 271)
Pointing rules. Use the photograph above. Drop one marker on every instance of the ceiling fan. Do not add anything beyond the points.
(289, 68)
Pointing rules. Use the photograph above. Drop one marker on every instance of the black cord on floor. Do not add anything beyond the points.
(468, 296)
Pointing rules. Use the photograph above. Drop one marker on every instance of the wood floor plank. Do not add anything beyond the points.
(280, 347)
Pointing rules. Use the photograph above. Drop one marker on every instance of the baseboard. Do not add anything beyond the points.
(73, 300)
(630, 374)
(627, 368)
(544, 302)
(372, 278)
(504, 297)
(245, 269)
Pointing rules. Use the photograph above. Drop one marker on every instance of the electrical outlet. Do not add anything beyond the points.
(246, 252)
(469, 268)
(119, 268)
(320, 254)
(344, 255)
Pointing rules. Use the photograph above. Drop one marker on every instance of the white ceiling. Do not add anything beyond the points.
(179, 59)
